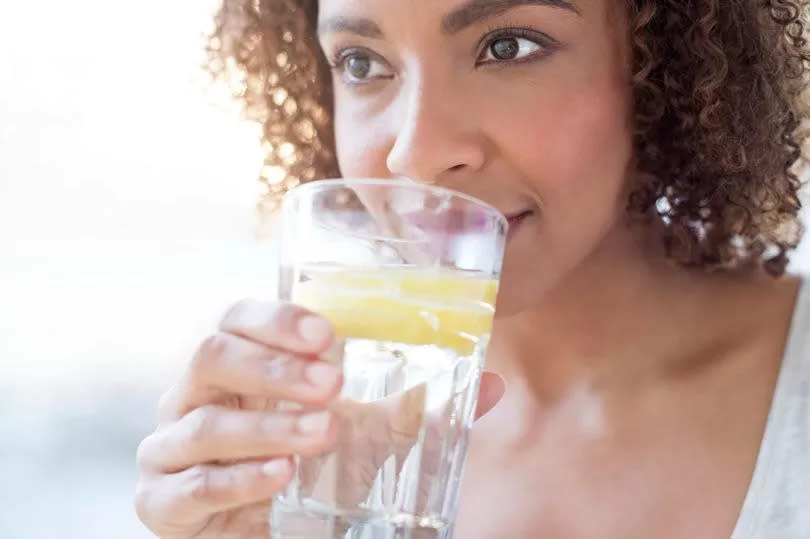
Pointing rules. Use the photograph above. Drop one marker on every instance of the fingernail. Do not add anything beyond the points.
(314, 329)
(314, 424)
(276, 467)
(322, 375)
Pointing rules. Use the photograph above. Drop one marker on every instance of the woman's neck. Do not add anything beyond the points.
(626, 316)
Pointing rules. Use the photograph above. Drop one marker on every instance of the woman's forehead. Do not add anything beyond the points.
(454, 13)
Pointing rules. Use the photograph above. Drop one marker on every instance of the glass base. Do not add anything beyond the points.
(296, 522)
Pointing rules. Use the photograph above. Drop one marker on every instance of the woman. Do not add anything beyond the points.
(652, 359)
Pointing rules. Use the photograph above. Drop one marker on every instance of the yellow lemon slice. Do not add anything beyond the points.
(416, 307)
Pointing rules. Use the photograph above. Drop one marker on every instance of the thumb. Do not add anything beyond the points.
(490, 392)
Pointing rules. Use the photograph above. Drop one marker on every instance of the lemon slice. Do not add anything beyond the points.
(409, 306)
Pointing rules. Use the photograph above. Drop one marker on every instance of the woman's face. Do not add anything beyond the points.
(525, 104)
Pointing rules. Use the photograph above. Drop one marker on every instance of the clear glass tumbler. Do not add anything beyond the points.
(408, 275)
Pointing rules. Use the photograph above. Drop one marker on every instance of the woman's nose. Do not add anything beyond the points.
(437, 136)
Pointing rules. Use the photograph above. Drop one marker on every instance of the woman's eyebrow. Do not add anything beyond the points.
(455, 21)
(477, 10)
(353, 25)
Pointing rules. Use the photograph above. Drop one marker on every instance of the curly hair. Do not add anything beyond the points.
(718, 109)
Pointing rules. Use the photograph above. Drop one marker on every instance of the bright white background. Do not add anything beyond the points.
(127, 225)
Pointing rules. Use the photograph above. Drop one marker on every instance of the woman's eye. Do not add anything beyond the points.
(360, 68)
(509, 48)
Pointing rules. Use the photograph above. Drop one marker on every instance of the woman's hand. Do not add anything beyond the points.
(221, 450)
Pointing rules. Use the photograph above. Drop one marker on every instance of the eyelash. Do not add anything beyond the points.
(547, 44)
(338, 59)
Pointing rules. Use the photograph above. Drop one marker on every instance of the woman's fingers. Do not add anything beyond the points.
(490, 392)
(191, 497)
(227, 364)
(216, 433)
(220, 450)
(279, 325)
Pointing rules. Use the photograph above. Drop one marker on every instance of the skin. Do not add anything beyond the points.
(635, 393)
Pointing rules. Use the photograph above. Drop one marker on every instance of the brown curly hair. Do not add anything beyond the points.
(718, 108)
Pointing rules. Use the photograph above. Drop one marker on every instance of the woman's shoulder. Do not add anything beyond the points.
(797, 347)
(778, 502)
(794, 378)
(801, 311)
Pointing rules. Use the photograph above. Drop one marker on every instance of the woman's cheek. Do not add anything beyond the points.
(580, 140)
(362, 147)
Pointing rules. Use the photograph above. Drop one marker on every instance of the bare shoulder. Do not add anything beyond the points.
(773, 301)
(761, 311)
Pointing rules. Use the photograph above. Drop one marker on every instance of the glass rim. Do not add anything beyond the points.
(407, 183)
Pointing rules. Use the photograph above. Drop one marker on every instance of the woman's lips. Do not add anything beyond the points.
(515, 220)
(449, 220)
(457, 221)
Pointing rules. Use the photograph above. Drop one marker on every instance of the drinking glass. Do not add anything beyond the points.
(408, 275)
